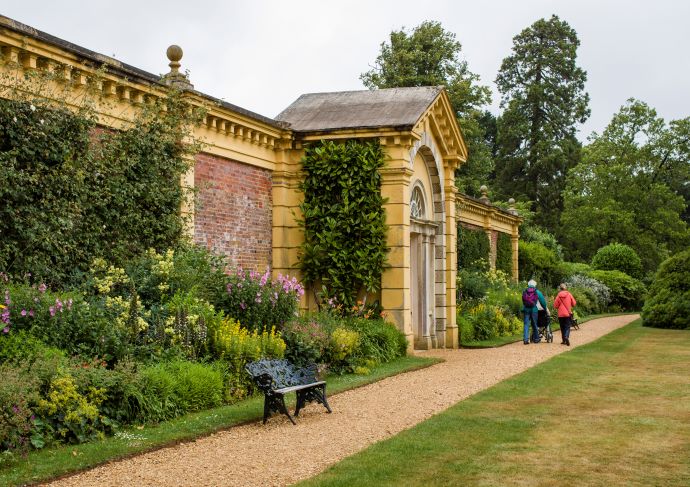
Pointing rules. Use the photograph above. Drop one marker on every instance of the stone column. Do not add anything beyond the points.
(451, 244)
(395, 281)
(514, 239)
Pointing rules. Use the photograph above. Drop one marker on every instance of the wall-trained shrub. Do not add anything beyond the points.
(618, 257)
(344, 250)
(668, 302)
(627, 293)
(473, 249)
(504, 254)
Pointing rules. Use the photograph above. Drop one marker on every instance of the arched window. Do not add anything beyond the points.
(417, 207)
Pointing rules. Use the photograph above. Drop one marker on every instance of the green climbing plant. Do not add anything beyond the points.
(344, 250)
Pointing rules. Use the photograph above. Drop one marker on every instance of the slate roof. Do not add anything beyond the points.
(391, 107)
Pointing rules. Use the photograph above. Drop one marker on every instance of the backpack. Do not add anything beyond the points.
(529, 297)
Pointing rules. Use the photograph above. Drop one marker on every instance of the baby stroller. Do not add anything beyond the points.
(544, 326)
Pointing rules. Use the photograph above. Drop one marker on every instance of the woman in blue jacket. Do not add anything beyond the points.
(530, 297)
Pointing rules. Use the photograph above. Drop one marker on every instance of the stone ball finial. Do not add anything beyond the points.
(511, 201)
(174, 53)
(483, 188)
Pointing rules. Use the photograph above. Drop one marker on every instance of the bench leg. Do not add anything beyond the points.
(276, 402)
(317, 394)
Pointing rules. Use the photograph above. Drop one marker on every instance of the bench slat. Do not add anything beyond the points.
(286, 390)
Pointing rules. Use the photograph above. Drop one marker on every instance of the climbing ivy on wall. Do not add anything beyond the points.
(473, 249)
(71, 192)
(344, 250)
(504, 254)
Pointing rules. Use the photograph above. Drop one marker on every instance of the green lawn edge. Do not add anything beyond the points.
(507, 340)
(49, 464)
(496, 437)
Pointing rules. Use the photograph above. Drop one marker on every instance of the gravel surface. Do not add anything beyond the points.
(279, 453)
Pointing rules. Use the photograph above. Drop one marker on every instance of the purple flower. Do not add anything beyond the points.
(52, 310)
(243, 306)
(8, 301)
(6, 329)
(58, 305)
(42, 287)
(23, 313)
(31, 313)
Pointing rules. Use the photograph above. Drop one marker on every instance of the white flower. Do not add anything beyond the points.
(33, 108)
(14, 118)
(41, 121)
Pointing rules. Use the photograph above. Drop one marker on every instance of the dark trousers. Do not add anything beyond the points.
(565, 327)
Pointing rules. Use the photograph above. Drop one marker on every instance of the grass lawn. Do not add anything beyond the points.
(50, 463)
(613, 412)
(500, 341)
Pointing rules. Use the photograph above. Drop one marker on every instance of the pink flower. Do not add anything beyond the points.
(69, 303)
(31, 313)
(6, 329)
(23, 313)
(42, 287)
(58, 304)
(52, 310)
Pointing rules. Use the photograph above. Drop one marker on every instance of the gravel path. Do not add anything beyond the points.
(280, 454)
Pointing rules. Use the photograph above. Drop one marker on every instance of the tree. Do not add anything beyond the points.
(619, 193)
(543, 98)
(430, 56)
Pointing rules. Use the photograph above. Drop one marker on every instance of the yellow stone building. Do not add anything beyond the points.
(248, 172)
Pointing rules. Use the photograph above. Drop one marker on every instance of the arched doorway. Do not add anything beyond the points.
(422, 270)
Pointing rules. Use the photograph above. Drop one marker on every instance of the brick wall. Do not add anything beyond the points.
(233, 210)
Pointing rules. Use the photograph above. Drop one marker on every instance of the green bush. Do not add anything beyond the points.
(539, 263)
(627, 293)
(19, 392)
(535, 234)
(574, 268)
(618, 257)
(82, 193)
(473, 249)
(504, 254)
(668, 302)
(485, 322)
(174, 388)
(379, 341)
(471, 285)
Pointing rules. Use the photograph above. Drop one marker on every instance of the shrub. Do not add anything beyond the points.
(306, 340)
(573, 268)
(174, 388)
(485, 322)
(70, 416)
(627, 293)
(63, 320)
(509, 298)
(236, 346)
(258, 302)
(668, 302)
(535, 234)
(18, 393)
(618, 257)
(379, 342)
(540, 263)
(598, 293)
(81, 193)
(473, 249)
(504, 254)
(471, 285)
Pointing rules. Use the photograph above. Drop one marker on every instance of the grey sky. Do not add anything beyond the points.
(262, 54)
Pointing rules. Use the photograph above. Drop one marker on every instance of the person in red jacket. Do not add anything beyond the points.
(564, 303)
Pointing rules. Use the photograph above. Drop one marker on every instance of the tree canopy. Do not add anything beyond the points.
(623, 190)
(543, 98)
(430, 56)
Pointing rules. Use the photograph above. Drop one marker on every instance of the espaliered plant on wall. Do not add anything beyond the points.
(504, 254)
(473, 249)
(71, 192)
(344, 249)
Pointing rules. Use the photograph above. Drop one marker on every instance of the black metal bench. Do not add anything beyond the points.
(276, 378)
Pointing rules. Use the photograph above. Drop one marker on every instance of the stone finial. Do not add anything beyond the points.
(174, 78)
(485, 195)
(511, 207)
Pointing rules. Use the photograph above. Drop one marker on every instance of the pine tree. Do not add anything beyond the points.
(543, 99)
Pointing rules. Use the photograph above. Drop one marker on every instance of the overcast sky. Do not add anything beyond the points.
(262, 54)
